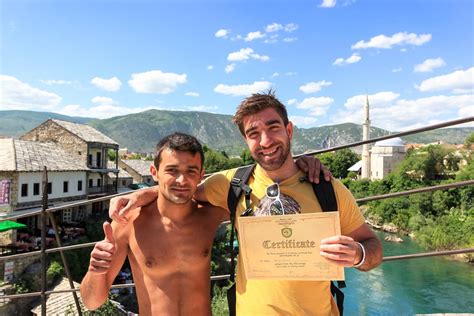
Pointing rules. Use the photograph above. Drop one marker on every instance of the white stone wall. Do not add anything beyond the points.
(57, 179)
(384, 160)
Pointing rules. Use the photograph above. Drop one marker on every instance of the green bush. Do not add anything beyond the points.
(55, 271)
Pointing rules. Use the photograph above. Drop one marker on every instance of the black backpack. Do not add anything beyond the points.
(326, 197)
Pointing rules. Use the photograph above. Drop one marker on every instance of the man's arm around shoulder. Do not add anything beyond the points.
(107, 258)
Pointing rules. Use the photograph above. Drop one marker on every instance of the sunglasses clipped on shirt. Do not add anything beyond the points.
(273, 192)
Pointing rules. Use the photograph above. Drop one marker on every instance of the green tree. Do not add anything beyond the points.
(339, 162)
(246, 157)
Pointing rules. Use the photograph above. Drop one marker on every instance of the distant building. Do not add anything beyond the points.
(122, 181)
(75, 156)
(84, 143)
(21, 171)
(138, 169)
(385, 157)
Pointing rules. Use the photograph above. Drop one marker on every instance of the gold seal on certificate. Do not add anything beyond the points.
(286, 247)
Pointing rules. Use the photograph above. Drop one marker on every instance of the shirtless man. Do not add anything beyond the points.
(168, 242)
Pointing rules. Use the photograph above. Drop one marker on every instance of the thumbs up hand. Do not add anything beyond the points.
(103, 252)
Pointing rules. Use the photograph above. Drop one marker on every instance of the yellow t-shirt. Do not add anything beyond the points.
(256, 297)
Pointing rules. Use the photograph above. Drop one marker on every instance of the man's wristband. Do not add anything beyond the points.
(361, 262)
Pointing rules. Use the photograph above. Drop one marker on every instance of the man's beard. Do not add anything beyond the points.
(278, 162)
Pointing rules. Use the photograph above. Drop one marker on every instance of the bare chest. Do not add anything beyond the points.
(158, 249)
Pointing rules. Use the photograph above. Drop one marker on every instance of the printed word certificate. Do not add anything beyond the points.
(286, 247)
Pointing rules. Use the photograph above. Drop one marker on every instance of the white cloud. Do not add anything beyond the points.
(312, 87)
(192, 94)
(317, 106)
(17, 95)
(275, 74)
(210, 67)
(303, 121)
(386, 42)
(460, 79)
(429, 64)
(202, 108)
(112, 84)
(291, 101)
(222, 33)
(100, 111)
(103, 101)
(243, 89)
(290, 27)
(245, 54)
(354, 58)
(290, 39)
(403, 50)
(389, 112)
(274, 27)
(56, 82)
(156, 81)
(253, 36)
(230, 68)
(397, 69)
(379, 99)
(328, 4)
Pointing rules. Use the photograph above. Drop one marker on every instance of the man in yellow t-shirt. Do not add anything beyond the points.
(263, 122)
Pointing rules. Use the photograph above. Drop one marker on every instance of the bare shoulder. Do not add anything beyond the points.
(210, 211)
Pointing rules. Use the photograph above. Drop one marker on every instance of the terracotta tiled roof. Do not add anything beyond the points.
(23, 155)
(85, 132)
(142, 167)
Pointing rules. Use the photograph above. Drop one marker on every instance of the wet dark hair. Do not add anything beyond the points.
(258, 102)
(179, 142)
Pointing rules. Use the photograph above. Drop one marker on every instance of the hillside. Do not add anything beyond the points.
(141, 131)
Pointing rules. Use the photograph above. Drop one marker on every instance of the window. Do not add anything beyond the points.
(36, 188)
(80, 215)
(124, 182)
(65, 186)
(67, 215)
(98, 160)
(79, 185)
(50, 188)
(24, 189)
(90, 183)
(89, 161)
(98, 182)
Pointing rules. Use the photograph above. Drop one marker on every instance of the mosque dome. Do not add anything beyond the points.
(392, 142)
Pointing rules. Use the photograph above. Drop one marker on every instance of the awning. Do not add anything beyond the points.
(7, 225)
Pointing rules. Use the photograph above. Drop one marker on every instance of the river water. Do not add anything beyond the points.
(413, 286)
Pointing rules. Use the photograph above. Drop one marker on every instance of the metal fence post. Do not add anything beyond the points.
(43, 241)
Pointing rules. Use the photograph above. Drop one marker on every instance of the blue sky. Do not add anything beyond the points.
(415, 59)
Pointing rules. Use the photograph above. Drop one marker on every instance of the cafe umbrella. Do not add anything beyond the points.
(7, 225)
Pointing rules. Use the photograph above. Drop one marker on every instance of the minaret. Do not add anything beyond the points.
(365, 147)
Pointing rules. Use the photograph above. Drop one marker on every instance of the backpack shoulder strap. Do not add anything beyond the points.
(324, 192)
(238, 184)
(240, 179)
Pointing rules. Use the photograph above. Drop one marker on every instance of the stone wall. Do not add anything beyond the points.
(50, 131)
(13, 177)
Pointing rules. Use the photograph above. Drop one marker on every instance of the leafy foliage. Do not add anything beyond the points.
(339, 162)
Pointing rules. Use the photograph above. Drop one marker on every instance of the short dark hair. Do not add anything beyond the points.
(179, 142)
(256, 103)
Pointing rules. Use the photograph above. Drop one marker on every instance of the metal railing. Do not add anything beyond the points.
(48, 212)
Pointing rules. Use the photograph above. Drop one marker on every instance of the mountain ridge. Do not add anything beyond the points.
(141, 131)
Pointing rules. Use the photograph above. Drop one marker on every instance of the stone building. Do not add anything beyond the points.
(85, 144)
(138, 169)
(385, 157)
(123, 181)
(21, 176)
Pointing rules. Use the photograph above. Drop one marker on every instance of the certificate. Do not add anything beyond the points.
(286, 247)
